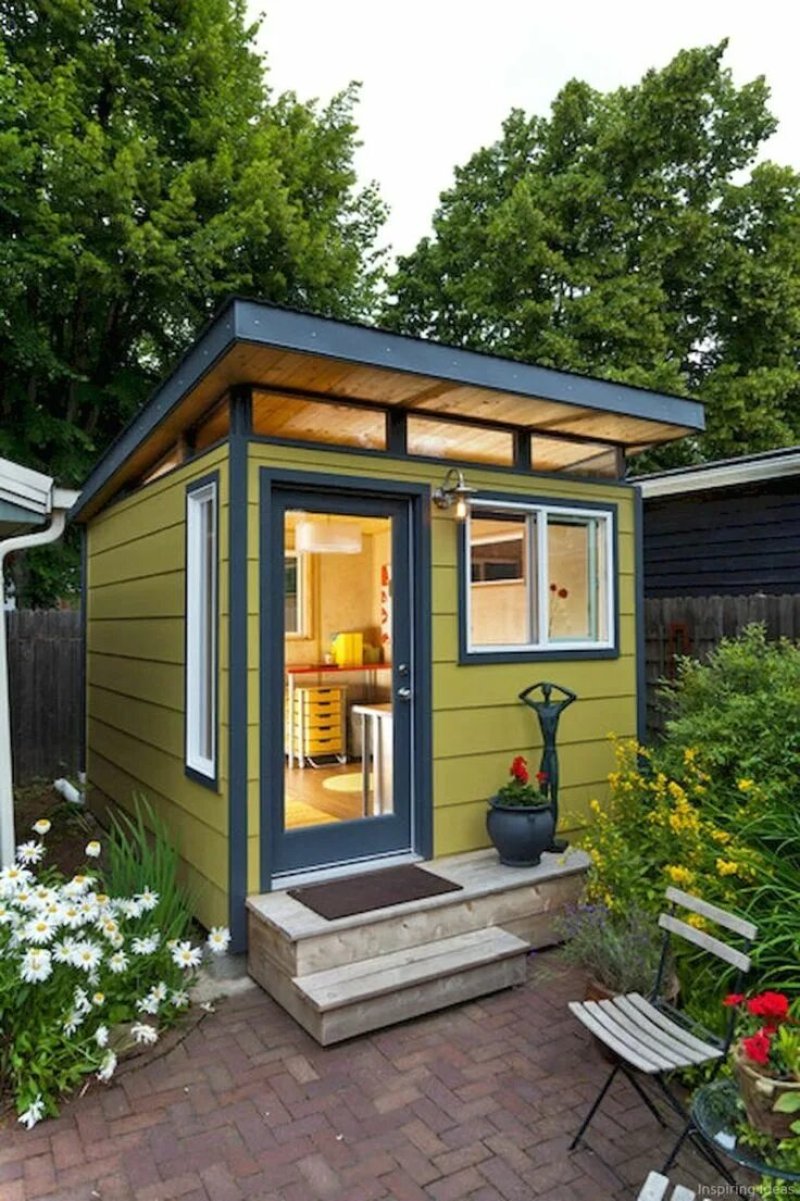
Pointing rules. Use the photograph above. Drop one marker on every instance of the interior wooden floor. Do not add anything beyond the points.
(312, 803)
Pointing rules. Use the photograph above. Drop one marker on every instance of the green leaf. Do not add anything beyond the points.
(787, 1103)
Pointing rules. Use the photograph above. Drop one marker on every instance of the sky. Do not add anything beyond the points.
(439, 76)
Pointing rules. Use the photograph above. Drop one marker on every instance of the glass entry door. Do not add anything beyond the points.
(338, 664)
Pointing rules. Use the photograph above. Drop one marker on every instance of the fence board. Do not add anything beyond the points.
(695, 625)
(45, 674)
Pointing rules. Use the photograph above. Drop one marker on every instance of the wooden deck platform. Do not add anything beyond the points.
(344, 977)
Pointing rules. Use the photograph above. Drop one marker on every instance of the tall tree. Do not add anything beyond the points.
(622, 236)
(146, 172)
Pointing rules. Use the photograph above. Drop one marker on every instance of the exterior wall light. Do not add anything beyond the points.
(454, 490)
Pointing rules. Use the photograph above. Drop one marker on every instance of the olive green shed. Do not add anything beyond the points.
(219, 572)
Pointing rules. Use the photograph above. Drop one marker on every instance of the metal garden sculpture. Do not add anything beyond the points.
(549, 713)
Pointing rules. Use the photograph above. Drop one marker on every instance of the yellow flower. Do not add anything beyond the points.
(746, 785)
(699, 923)
(690, 754)
(679, 875)
(721, 836)
(726, 867)
(594, 805)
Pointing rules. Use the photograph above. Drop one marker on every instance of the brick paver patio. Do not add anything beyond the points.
(477, 1103)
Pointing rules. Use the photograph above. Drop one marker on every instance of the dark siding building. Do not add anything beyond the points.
(724, 529)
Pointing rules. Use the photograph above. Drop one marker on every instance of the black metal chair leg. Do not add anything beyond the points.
(673, 1155)
(594, 1109)
(634, 1083)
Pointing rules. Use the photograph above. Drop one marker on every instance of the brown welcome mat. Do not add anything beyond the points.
(372, 890)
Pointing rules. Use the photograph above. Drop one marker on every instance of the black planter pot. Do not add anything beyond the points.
(520, 833)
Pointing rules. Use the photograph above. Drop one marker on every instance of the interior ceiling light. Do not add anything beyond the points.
(322, 536)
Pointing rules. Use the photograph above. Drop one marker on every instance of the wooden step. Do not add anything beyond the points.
(342, 1002)
(524, 901)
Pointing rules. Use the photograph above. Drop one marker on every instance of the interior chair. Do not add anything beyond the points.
(649, 1037)
(655, 1189)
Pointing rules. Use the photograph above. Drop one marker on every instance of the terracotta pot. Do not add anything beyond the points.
(759, 1094)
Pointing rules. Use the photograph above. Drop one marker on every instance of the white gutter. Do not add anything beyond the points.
(61, 502)
(723, 475)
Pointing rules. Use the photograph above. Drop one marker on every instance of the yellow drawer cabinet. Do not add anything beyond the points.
(315, 723)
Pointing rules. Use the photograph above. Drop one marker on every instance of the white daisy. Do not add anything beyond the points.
(180, 998)
(26, 899)
(71, 1022)
(33, 1114)
(36, 965)
(98, 998)
(159, 991)
(218, 939)
(146, 945)
(147, 1004)
(86, 955)
(77, 886)
(118, 962)
(108, 927)
(187, 956)
(38, 930)
(93, 848)
(147, 899)
(128, 907)
(44, 895)
(101, 1036)
(116, 940)
(80, 1000)
(7, 916)
(144, 1033)
(71, 916)
(30, 852)
(13, 878)
(107, 1067)
(64, 950)
(41, 826)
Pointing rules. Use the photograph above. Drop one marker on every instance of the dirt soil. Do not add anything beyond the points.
(73, 826)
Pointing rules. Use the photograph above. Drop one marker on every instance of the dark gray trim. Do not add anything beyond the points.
(288, 329)
(396, 433)
(240, 427)
(83, 725)
(266, 325)
(271, 681)
(467, 658)
(210, 782)
(438, 465)
(638, 569)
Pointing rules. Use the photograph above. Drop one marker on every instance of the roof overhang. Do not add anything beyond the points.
(28, 498)
(727, 473)
(250, 343)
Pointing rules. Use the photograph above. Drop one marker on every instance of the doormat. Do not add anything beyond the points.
(372, 890)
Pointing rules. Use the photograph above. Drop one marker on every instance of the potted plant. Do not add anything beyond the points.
(620, 952)
(520, 818)
(766, 1062)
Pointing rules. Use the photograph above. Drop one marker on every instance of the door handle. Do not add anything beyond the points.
(404, 694)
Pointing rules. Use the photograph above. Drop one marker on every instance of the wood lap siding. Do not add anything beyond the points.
(729, 542)
(135, 672)
(478, 723)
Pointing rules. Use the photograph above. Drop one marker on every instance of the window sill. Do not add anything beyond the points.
(471, 658)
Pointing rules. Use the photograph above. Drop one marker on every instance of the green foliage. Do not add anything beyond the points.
(146, 172)
(714, 809)
(141, 856)
(620, 950)
(619, 237)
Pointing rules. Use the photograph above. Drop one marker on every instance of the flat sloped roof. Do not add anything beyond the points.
(297, 353)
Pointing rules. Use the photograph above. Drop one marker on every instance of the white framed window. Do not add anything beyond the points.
(201, 629)
(538, 577)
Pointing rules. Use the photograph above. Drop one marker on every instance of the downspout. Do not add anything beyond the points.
(40, 538)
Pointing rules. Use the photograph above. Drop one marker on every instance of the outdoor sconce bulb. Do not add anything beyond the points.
(454, 490)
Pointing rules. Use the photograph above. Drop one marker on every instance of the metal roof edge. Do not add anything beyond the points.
(726, 473)
(375, 347)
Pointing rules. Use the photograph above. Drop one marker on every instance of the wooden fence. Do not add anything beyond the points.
(694, 625)
(45, 669)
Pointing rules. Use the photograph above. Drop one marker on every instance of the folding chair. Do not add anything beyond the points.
(655, 1189)
(651, 1037)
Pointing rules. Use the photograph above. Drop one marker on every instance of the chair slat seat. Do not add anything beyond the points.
(628, 1047)
(635, 1003)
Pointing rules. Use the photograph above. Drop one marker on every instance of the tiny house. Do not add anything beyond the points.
(320, 565)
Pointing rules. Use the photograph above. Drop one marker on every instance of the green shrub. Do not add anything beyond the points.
(141, 855)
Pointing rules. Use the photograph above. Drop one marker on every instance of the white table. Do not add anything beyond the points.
(377, 737)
